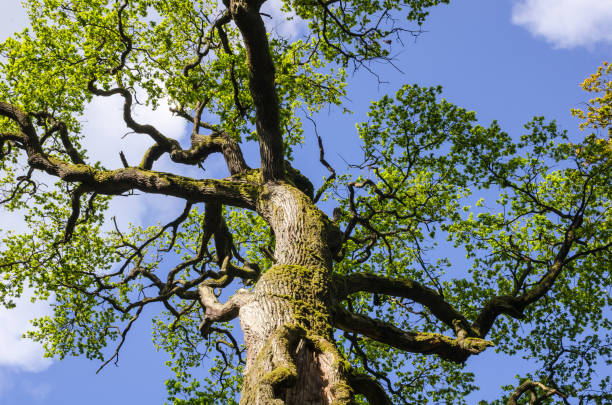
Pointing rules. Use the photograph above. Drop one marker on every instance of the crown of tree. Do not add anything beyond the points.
(362, 307)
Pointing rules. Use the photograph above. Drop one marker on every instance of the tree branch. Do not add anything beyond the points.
(324, 162)
(529, 385)
(261, 83)
(514, 306)
(456, 350)
(216, 311)
(115, 182)
(407, 289)
(370, 388)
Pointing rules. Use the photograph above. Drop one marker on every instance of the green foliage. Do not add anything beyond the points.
(65, 272)
(50, 65)
(427, 160)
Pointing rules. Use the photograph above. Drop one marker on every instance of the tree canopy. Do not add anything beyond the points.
(371, 294)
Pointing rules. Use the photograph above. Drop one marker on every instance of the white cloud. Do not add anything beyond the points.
(287, 25)
(16, 351)
(566, 23)
(106, 134)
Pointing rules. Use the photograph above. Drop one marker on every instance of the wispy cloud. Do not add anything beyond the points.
(39, 391)
(285, 24)
(35, 389)
(566, 23)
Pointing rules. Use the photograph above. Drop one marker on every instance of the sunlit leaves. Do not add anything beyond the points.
(598, 112)
(430, 170)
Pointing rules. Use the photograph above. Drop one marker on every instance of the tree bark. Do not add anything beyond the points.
(291, 356)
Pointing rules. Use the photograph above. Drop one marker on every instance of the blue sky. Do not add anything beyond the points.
(508, 60)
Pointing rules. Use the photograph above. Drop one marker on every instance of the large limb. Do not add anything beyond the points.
(115, 182)
(261, 83)
(453, 349)
(405, 288)
(370, 388)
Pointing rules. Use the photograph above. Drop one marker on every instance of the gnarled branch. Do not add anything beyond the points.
(216, 311)
(403, 288)
(457, 350)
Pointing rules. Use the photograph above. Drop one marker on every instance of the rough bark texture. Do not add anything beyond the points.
(291, 358)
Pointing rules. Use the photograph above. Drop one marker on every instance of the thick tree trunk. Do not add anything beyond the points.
(291, 358)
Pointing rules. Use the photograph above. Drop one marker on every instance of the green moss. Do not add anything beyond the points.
(477, 343)
(325, 346)
(427, 336)
(343, 393)
(281, 376)
(250, 176)
(308, 295)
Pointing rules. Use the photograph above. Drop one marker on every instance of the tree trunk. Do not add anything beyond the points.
(291, 357)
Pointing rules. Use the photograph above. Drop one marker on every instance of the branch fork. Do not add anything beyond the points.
(216, 311)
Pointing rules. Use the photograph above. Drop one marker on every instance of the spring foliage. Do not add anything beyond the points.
(531, 212)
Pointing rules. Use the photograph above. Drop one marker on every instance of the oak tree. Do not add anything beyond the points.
(359, 307)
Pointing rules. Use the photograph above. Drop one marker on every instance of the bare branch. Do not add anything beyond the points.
(331, 178)
(123, 335)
